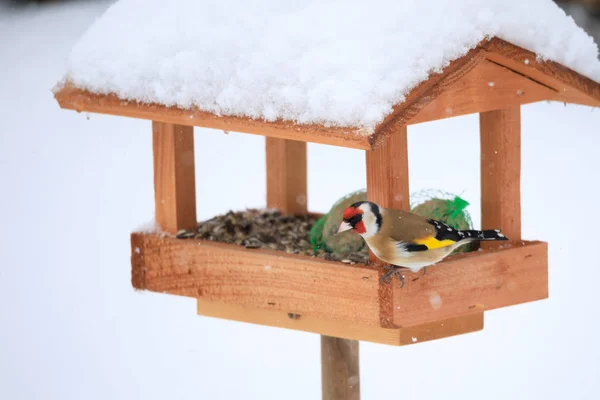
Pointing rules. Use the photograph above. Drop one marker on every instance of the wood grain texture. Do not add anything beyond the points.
(79, 100)
(387, 186)
(341, 329)
(500, 140)
(333, 298)
(286, 175)
(387, 172)
(174, 177)
(472, 283)
(300, 322)
(423, 94)
(256, 278)
(571, 87)
(340, 378)
(488, 86)
(567, 85)
(441, 329)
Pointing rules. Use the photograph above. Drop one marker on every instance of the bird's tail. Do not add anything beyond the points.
(490, 234)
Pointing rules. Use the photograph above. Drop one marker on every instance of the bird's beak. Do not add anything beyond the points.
(344, 227)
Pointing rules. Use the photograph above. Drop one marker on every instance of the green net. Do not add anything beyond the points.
(345, 242)
(316, 234)
(445, 207)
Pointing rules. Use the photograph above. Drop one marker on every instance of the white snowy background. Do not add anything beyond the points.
(72, 188)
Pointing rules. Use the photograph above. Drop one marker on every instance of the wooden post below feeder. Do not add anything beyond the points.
(339, 369)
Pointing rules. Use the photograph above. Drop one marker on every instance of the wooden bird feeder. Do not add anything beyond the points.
(333, 299)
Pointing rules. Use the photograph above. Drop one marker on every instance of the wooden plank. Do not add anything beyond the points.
(387, 172)
(441, 329)
(568, 85)
(387, 186)
(306, 323)
(341, 329)
(424, 93)
(486, 87)
(571, 87)
(174, 177)
(256, 278)
(286, 175)
(340, 377)
(500, 133)
(79, 100)
(330, 296)
(472, 283)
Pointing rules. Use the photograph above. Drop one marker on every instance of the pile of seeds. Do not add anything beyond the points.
(266, 229)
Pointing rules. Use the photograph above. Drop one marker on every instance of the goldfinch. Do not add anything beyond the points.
(404, 239)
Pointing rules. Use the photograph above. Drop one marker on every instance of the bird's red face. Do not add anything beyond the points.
(353, 220)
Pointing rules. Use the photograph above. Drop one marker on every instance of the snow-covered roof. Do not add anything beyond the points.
(329, 62)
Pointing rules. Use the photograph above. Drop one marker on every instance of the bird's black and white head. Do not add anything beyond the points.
(362, 217)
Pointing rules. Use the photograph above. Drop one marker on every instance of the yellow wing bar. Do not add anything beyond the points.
(432, 243)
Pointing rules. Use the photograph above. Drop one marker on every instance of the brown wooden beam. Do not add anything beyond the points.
(387, 186)
(340, 378)
(488, 86)
(342, 329)
(570, 86)
(174, 176)
(500, 133)
(80, 100)
(387, 172)
(286, 175)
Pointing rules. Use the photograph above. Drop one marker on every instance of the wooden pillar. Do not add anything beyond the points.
(500, 132)
(340, 378)
(387, 180)
(286, 175)
(174, 177)
(387, 173)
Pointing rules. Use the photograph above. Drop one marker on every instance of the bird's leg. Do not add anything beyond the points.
(391, 271)
(424, 273)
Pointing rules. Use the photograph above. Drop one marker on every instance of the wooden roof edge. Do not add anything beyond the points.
(420, 96)
(526, 62)
(80, 100)
(570, 86)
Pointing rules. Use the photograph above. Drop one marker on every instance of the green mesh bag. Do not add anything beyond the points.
(444, 207)
(346, 242)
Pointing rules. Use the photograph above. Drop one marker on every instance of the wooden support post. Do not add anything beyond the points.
(174, 177)
(286, 175)
(500, 132)
(387, 173)
(387, 185)
(340, 371)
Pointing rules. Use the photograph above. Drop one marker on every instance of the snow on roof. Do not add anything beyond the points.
(332, 62)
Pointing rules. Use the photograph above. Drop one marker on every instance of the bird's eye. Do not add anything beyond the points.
(354, 220)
